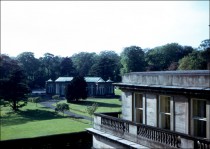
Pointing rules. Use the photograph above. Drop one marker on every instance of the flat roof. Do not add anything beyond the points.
(177, 72)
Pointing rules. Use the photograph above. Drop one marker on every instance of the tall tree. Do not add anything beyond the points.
(30, 65)
(205, 44)
(205, 53)
(83, 62)
(132, 59)
(50, 66)
(193, 61)
(162, 57)
(14, 89)
(7, 66)
(106, 66)
(67, 68)
(76, 89)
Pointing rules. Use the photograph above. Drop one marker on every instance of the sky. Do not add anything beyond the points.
(64, 28)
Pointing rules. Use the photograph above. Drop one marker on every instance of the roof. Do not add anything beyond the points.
(163, 86)
(186, 78)
(109, 80)
(50, 80)
(201, 92)
(92, 79)
(87, 79)
(176, 72)
(101, 80)
(64, 79)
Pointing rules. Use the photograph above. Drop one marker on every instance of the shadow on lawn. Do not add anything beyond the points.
(100, 104)
(28, 116)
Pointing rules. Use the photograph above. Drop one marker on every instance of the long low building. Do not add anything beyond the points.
(96, 86)
(165, 109)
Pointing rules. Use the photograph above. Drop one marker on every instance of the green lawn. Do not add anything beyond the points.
(104, 105)
(117, 91)
(34, 121)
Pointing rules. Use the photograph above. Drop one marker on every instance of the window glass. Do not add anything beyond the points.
(198, 108)
(138, 108)
(199, 118)
(165, 104)
(199, 128)
(138, 101)
(165, 112)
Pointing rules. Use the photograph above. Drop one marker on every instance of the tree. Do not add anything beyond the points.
(30, 64)
(56, 98)
(205, 44)
(91, 109)
(106, 66)
(51, 65)
(14, 89)
(34, 100)
(83, 62)
(62, 107)
(67, 68)
(132, 59)
(76, 89)
(193, 61)
(162, 57)
(7, 66)
(205, 53)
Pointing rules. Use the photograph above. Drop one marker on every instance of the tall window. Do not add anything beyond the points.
(138, 112)
(199, 118)
(165, 112)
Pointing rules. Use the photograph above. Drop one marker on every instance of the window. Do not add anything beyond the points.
(199, 118)
(165, 112)
(138, 112)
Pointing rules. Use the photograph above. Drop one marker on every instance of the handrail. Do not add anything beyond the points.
(198, 142)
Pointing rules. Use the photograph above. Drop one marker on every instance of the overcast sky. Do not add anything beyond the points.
(64, 28)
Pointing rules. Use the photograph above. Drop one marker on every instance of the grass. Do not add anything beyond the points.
(104, 105)
(34, 121)
(117, 91)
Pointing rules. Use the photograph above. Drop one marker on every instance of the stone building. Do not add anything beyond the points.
(165, 109)
(96, 86)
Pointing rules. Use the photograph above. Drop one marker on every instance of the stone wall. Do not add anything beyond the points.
(198, 78)
(127, 105)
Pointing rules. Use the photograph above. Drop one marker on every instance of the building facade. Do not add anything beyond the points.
(96, 86)
(165, 109)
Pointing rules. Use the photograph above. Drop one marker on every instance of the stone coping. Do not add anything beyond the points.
(114, 138)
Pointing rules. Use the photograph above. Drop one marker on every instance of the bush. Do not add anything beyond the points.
(92, 109)
(62, 107)
(34, 99)
(56, 97)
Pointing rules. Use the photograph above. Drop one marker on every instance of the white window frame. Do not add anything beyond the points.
(206, 119)
(143, 109)
(171, 113)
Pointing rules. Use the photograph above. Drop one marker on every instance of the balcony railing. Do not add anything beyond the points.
(146, 135)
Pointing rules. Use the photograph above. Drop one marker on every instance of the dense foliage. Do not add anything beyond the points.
(107, 64)
(76, 89)
(13, 87)
(62, 107)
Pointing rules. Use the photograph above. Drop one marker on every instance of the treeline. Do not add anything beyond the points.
(107, 64)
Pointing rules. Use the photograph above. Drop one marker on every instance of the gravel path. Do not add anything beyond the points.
(49, 104)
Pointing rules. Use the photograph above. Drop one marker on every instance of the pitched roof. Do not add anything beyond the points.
(92, 79)
(87, 79)
(50, 80)
(101, 80)
(64, 79)
(109, 80)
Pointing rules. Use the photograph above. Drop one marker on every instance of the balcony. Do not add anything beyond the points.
(149, 136)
